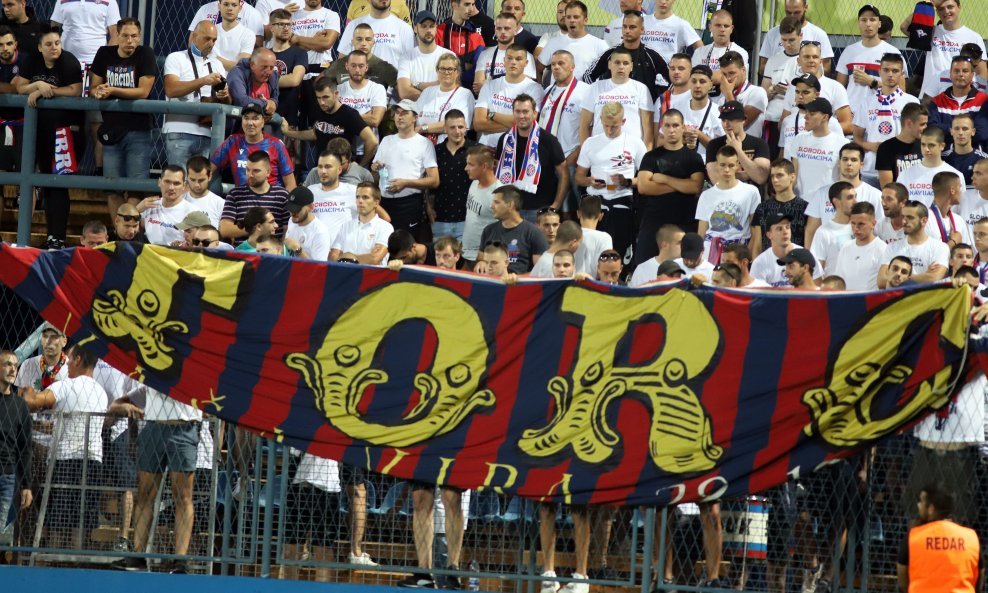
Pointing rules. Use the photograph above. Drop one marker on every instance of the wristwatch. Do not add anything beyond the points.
(490, 115)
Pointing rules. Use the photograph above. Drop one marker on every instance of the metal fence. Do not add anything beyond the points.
(261, 509)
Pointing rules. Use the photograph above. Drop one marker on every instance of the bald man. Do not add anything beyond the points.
(255, 80)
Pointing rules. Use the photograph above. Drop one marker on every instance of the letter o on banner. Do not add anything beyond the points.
(704, 489)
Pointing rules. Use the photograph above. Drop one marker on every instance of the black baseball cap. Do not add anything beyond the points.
(424, 15)
(732, 110)
(251, 108)
(809, 79)
(776, 217)
(669, 268)
(692, 246)
(299, 198)
(819, 105)
(869, 8)
(800, 255)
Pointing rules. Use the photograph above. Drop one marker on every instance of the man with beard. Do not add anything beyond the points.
(257, 193)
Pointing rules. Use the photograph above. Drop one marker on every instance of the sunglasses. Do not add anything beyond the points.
(347, 260)
(202, 242)
(129, 217)
(609, 257)
(805, 43)
(731, 273)
(546, 210)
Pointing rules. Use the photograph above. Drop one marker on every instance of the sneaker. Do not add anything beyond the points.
(419, 580)
(130, 564)
(549, 586)
(363, 560)
(450, 582)
(823, 586)
(667, 586)
(576, 587)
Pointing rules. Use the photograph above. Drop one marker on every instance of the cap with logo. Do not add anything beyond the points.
(251, 108)
(732, 110)
(799, 255)
(869, 8)
(777, 217)
(807, 79)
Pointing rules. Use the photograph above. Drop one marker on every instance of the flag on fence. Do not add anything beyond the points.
(576, 392)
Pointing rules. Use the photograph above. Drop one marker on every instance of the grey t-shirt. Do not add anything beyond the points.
(354, 175)
(523, 242)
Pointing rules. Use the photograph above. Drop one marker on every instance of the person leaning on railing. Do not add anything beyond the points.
(15, 449)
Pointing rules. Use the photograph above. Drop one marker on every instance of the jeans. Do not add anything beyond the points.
(179, 147)
(131, 157)
(10, 499)
(452, 229)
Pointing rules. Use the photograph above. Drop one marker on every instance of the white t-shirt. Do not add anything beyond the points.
(433, 104)
(766, 269)
(857, 56)
(210, 204)
(406, 158)
(888, 234)
(946, 44)
(29, 373)
(667, 36)
(830, 90)
(858, 265)
(230, 45)
(421, 67)
(178, 64)
(569, 125)
(775, 70)
(704, 267)
(707, 119)
(966, 421)
(363, 100)
(952, 222)
(360, 238)
(827, 243)
(73, 398)
(490, 61)
(585, 51)
(644, 273)
(249, 16)
(772, 43)
(632, 95)
(393, 38)
(496, 97)
(918, 179)
(159, 222)
(928, 252)
(313, 237)
(113, 382)
(309, 22)
(729, 211)
(881, 119)
(543, 267)
(320, 473)
(816, 159)
(820, 206)
(605, 156)
(161, 408)
(593, 244)
(795, 123)
(334, 208)
(754, 96)
(479, 215)
(973, 207)
(266, 7)
(709, 55)
(84, 26)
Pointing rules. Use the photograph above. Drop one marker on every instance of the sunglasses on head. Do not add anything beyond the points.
(609, 257)
(546, 210)
(731, 273)
(129, 217)
(805, 43)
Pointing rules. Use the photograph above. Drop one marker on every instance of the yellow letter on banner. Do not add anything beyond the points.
(681, 437)
(842, 410)
(143, 312)
(342, 371)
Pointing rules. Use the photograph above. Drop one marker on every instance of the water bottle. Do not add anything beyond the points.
(474, 581)
(384, 179)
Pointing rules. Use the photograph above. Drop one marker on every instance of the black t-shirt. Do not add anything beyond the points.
(676, 207)
(896, 156)
(451, 196)
(345, 122)
(125, 73)
(26, 34)
(7, 74)
(288, 98)
(527, 40)
(523, 243)
(753, 147)
(65, 72)
(794, 208)
(550, 156)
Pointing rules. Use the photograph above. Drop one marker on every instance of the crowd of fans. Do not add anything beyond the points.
(472, 144)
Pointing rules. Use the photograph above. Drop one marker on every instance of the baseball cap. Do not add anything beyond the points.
(193, 219)
(800, 255)
(809, 79)
(691, 246)
(424, 15)
(669, 268)
(299, 198)
(776, 217)
(251, 108)
(408, 105)
(732, 110)
(819, 105)
(48, 327)
(869, 8)
(702, 69)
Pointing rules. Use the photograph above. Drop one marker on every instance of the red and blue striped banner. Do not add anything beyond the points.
(575, 392)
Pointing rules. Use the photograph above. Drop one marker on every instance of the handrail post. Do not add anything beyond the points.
(25, 207)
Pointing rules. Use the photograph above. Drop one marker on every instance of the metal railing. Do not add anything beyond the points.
(28, 179)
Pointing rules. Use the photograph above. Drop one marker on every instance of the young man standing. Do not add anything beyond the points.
(963, 155)
(734, 86)
(945, 223)
(446, 206)
(418, 71)
(752, 150)
(807, 90)
(492, 114)
(667, 33)
(677, 95)
(667, 241)
(859, 261)
(459, 35)
(930, 257)
(561, 110)
(815, 152)
(774, 81)
(480, 170)
(961, 97)
(895, 155)
(878, 114)
(918, 179)
(949, 36)
(632, 95)
(568, 239)
(367, 97)
(808, 62)
(585, 47)
(648, 66)
(393, 37)
(821, 209)
(721, 27)
(724, 211)
(859, 66)
(490, 62)
(700, 115)
(974, 204)
(15, 450)
(782, 201)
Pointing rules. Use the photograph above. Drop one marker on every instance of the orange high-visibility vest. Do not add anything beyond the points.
(943, 558)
